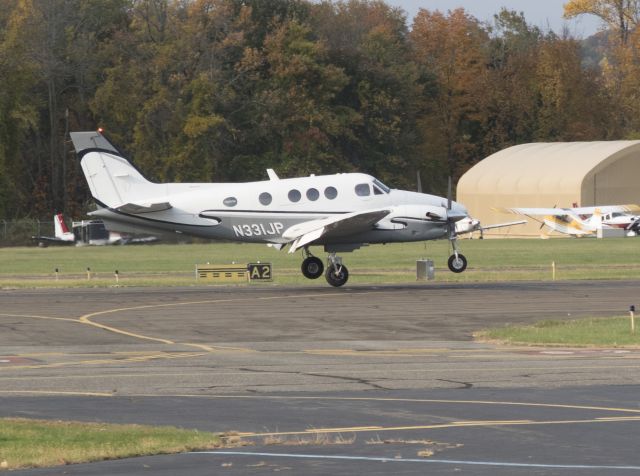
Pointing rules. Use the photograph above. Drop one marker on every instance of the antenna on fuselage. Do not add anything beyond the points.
(272, 174)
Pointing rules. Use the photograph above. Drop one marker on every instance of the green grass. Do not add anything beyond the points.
(37, 443)
(489, 260)
(609, 332)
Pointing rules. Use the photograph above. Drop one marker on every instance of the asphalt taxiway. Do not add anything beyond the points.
(330, 381)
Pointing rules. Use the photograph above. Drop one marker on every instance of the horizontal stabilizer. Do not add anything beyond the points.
(135, 209)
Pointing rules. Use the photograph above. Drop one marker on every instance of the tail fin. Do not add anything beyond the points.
(112, 179)
(60, 226)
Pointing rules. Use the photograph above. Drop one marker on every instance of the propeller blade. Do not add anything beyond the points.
(418, 181)
(449, 198)
(543, 223)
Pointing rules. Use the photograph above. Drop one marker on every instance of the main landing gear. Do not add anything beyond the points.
(312, 266)
(336, 274)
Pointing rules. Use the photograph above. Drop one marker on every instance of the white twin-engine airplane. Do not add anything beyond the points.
(342, 212)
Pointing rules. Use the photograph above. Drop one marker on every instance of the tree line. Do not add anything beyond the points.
(220, 90)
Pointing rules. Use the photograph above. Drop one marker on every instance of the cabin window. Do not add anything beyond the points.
(330, 193)
(295, 195)
(313, 194)
(378, 187)
(363, 190)
(230, 201)
(265, 198)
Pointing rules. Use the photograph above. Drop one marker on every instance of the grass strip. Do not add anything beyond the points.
(39, 443)
(174, 265)
(600, 332)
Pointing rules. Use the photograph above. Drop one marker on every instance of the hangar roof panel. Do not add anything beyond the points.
(540, 167)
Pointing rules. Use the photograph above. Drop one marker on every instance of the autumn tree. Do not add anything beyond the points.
(572, 104)
(369, 41)
(509, 101)
(619, 66)
(50, 48)
(451, 49)
(620, 16)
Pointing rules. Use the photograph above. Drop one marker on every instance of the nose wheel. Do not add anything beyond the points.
(457, 262)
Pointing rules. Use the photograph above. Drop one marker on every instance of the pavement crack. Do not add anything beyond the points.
(359, 380)
(463, 384)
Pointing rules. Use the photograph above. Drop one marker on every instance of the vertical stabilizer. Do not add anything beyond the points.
(112, 179)
(61, 230)
(60, 226)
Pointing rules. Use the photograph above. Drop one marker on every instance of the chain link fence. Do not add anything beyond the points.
(20, 232)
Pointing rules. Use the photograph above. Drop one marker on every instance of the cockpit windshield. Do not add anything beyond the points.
(377, 184)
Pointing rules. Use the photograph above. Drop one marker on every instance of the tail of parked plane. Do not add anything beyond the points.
(113, 181)
(61, 230)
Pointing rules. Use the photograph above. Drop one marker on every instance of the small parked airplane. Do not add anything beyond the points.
(62, 234)
(86, 232)
(342, 212)
(583, 221)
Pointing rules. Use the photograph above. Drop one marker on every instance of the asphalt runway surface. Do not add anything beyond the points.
(316, 381)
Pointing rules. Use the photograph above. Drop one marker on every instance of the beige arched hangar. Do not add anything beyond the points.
(550, 174)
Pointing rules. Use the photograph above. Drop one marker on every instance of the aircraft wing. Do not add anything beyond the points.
(630, 208)
(135, 208)
(338, 225)
(537, 211)
(501, 225)
(50, 240)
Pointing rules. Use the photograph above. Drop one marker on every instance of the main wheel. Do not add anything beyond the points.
(457, 264)
(337, 279)
(312, 267)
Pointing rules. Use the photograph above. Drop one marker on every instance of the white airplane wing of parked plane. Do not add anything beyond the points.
(470, 225)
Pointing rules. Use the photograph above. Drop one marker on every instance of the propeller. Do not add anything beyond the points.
(543, 223)
(418, 181)
(451, 225)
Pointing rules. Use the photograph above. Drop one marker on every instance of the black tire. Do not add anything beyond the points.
(457, 265)
(338, 279)
(312, 267)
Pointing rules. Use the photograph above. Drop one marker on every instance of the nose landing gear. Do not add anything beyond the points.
(457, 262)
